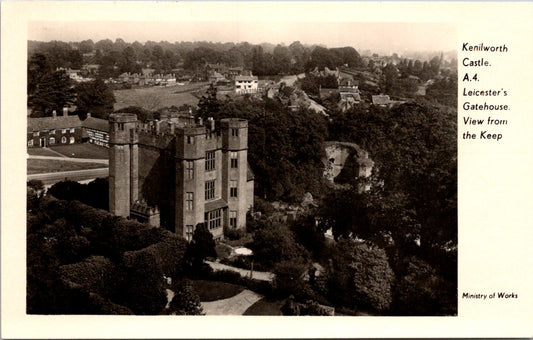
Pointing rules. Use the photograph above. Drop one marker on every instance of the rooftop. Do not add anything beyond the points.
(53, 123)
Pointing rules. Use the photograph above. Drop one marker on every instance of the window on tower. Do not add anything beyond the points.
(189, 169)
(234, 159)
(210, 161)
(189, 200)
(210, 190)
(233, 188)
(233, 218)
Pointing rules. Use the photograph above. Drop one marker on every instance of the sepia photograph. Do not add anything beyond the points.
(272, 172)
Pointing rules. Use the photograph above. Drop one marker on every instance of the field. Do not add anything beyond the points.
(39, 166)
(155, 97)
(215, 290)
(265, 307)
(41, 152)
(82, 151)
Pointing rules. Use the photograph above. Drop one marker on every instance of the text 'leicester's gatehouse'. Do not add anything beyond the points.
(178, 172)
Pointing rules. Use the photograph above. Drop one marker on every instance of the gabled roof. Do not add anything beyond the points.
(51, 123)
(355, 96)
(62, 122)
(380, 99)
(243, 78)
(96, 124)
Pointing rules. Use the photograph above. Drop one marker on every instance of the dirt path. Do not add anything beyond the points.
(263, 276)
(236, 305)
(68, 159)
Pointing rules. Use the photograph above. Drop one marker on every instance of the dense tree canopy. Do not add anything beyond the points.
(83, 260)
(48, 91)
(360, 275)
(95, 97)
(285, 147)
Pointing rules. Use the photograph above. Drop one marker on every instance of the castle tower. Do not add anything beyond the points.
(123, 163)
(190, 180)
(234, 169)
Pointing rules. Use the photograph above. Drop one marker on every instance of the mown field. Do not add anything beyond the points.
(82, 151)
(155, 97)
(40, 166)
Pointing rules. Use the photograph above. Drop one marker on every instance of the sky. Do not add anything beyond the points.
(378, 37)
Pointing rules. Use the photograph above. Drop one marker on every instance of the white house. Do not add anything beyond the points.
(246, 84)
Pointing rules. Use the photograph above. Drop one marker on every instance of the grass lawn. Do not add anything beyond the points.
(155, 97)
(215, 290)
(39, 166)
(41, 152)
(265, 307)
(85, 150)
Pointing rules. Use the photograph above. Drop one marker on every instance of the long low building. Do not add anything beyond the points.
(65, 129)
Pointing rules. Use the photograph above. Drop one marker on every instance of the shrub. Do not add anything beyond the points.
(95, 274)
(233, 234)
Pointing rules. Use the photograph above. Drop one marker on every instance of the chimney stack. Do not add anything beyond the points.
(54, 114)
(65, 111)
(211, 123)
(88, 115)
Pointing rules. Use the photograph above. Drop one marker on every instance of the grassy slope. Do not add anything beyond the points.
(38, 166)
(265, 307)
(82, 151)
(155, 97)
(214, 290)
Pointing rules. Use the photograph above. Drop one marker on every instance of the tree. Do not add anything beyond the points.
(289, 278)
(95, 97)
(274, 243)
(321, 57)
(185, 300)
(360, 275)
(67, 190)
(51, 91)
(143, 286)
(201, 246)
(38, 67)
(128, 62)
(421, 291)
(209, 106)
(86, 46)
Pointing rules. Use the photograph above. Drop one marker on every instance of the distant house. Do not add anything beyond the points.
(215, 77)
(91, 68)
(349, 94)
(246, 84)
(232, 72)
(65, 129)
(55, 130)
(381, 100)
(96, 131)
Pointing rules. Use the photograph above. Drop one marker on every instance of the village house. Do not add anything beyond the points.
(349, 95)
(65, 129)
(96, 131)
(381, 100)
(246, 84)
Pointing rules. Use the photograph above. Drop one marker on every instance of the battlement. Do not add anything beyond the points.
(165, 171)
(122, 118)
(233, 123)
(145, 214)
